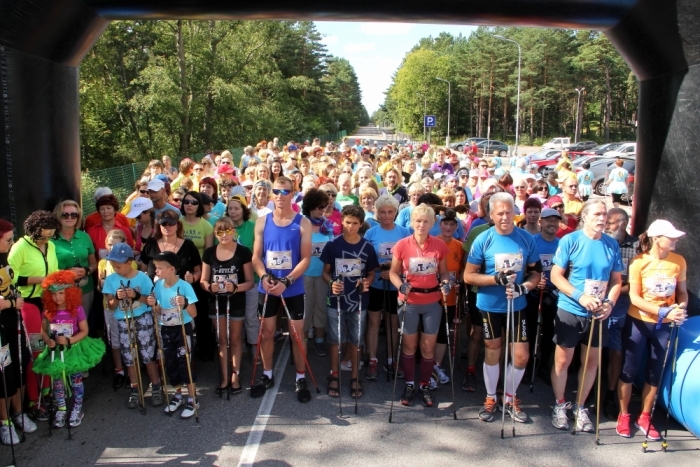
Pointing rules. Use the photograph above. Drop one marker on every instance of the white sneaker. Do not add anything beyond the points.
(347, 366)
(442, 376)
(25, 423)
(8, 435)
(76, 417)
(175, 403)
(189, 409)
(59, 420)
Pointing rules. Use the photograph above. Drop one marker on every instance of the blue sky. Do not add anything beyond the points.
(375, 50)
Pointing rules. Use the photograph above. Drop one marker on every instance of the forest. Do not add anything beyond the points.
(483, 72)
(150, 88)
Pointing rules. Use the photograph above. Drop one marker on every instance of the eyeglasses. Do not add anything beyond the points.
(519, 187)
(198, 169)
(177, 200)
(331, 194)
(69, 215)
(281, 191)
(558, 206)
(143, 192)
(463, 176)
(572, 186)
(167, 222)
(543, 188)
(193, 202)
(221, 233)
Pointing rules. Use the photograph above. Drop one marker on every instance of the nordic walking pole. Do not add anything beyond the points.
(187, 358)
(600, 370)
(396, 363)
(505, 364)
(133, 346)
(456, 322)
(656, 396)
(258, 351)
(449, 357)
(340, 357)
(161, 352)
(65, 383)
(664, 444)
(537, 339)
(360, 288)
(228, 348)
(218, 343)
(583, 376)
(7, 404)
(388, 330)
(20, 325)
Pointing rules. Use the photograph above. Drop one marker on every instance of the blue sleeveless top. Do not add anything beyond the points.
(282, 252)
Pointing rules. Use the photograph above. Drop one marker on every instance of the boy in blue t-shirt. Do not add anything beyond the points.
(126, 291)
(173, 300)
(349, 262)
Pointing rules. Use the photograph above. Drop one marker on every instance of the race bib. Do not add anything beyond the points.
(64, 329)
(279, 259)
(595, 288)
(221, 280)
(36, 342)
(509, 262)
(546, 261)
(170, 317)
(386, 250)
(5, 358)
(661, 287)
(348, 267)
(422, 266)
(317, 248)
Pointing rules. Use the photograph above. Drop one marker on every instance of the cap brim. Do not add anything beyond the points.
(674, 234)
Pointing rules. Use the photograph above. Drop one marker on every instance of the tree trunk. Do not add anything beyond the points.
(185, 133)
(488, 119)
(209, 108)
(608, 104)
(127, 108)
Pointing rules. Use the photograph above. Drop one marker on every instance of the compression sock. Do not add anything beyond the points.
(491, 375)
(408, 364)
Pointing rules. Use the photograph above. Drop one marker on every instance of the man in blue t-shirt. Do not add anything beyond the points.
(504, 264)
(587, 271)
(542, 302)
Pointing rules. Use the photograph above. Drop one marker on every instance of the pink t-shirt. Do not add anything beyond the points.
(421, 266)
(65, 317)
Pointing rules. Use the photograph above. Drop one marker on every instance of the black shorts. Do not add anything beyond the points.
(474, 313)
(236, 308)
(442, 330)
(495, 323)
(376, 300)
(295, 305)
(571, 330)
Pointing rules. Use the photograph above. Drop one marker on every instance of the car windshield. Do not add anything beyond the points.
(607, 147)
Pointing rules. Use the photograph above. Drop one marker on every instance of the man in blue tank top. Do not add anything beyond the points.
(281, 255)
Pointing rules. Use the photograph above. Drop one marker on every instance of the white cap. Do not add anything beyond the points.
(138, 206)
(662, 228)
(247, 183)
(156, 185)
(100, 192)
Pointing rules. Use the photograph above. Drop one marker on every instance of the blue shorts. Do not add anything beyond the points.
(349, 322)
(615, 326)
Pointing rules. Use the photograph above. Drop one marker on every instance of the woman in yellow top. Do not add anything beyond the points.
(657, 278)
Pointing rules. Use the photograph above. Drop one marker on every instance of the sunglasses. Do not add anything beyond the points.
(177, 200)
(281, 191)
(248, 187)
(519, 187)
(323, 208)
(221, 233)
(331, 194)
(167, 222)
(193, 202)
(198, 169)
(543, 188)
(69, 215)
(558, 206)
(143, 192)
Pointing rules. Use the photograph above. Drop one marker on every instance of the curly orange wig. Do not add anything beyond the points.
(65, 280)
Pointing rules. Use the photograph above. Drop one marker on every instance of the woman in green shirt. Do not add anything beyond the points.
(74, 249)
(196, 227)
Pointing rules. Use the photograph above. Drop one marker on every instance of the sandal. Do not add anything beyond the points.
(333, 391)
(356, 392)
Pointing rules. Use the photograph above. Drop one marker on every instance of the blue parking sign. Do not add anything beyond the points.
(430, 121)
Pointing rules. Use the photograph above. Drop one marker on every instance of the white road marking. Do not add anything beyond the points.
(258, 429)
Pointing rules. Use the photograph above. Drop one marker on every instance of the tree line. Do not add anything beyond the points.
(150, 88)
(483, 71)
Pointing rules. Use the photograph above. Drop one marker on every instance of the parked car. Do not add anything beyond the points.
(581, 146)
(602, 167)
(487, 147)
(603, 148)
(625, 149)
(546, 165)
(557, 143)
(461, 145)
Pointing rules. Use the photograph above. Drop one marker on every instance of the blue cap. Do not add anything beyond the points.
(163, 178)
(292, 147)
(121, 253)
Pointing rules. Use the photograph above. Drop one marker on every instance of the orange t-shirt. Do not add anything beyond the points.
(455, 259)
(658, 279)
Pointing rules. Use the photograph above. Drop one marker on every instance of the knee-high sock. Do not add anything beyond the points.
(408, 363)
(512, 381)
(426, 369)
(491, 375)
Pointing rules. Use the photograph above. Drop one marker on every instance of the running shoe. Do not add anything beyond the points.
(190, 409)
(390, 369)
(372, 370)
(302, 390)
(623, 425)
(133, 401)
(513, 410)
(347, 366)
(559, 417)
(425, 397)
(320, 349)
(433, 382)
(59, 420)
(263, 384)
(8, 435)
(645, 425)
(488, 411)
(442, 376)
(583, 421)
(118, 380)
(469, 383)
(24, 423)
(38, 413)
(157, 397)
(175, 403)
(76, 417)
(408, 394)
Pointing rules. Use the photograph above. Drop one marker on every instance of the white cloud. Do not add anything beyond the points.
(385, 29)
(359, 47)
(329, 40)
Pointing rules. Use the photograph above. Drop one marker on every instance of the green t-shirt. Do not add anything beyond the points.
(197, 232)
(344, 200)
(471, 236)
(74, 253)
(246, 237)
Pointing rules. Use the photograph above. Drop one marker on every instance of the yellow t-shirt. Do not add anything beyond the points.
(573, 206)
(658, 279)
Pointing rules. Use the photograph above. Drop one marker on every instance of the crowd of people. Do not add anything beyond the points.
(342, 240)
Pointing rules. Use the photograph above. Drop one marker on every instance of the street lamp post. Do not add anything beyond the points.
(449, 102)
(425, 110)
(578, 109)
(517, 105)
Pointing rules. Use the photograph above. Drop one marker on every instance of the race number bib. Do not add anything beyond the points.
(509, 262)
(36, 343)
(279, 260)
(348, 267)
(317, 248)
(221, 279)
(661, 287)
(64, 329)
(5, 358)
(595, 288)
(170, 317)
(422, 266)
(386, 250)
(546, 261)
